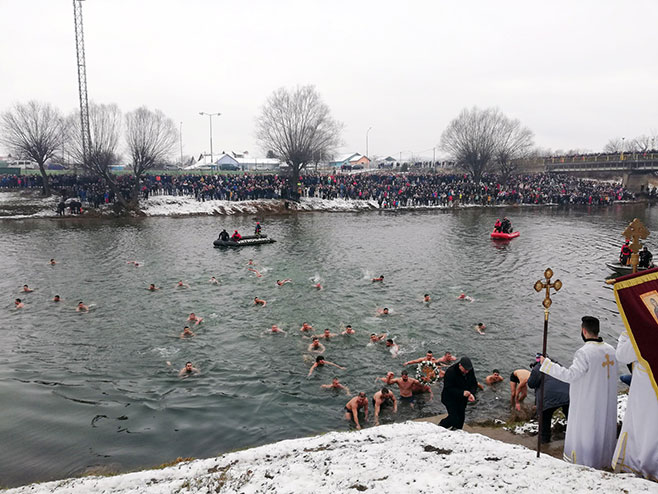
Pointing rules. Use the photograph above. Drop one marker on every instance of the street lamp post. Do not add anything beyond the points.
(180, 136)
(210, 115)
(367, 132)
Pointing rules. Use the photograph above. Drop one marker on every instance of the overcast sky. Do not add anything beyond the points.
(575, 72)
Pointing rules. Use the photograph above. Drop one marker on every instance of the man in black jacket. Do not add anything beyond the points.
(459, 387)
(556, 395)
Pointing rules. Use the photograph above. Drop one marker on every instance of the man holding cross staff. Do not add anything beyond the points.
(592, 423)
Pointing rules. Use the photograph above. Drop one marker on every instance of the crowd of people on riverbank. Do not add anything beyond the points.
(389, 190)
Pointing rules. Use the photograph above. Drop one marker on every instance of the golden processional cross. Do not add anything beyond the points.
(539, 286)
(635, 231)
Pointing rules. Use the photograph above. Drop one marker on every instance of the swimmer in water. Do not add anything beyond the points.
(429, 357)
(180, 284)
(426, 298)
(393, 347)
(327, 334)
(283, 282)
(18, 304)
(195, 319)
(335, 384)
(152, 287)
(52, 262)
(465, 298)
(348, 330)
(447, 358)
(258, 275)
(316, 346)
(259, 301)
(352, 407)
(318, 286)
(26, 289)
(383, 312)
(480, 327)
(387, 379)
(374, 338)
(381, 278)
(518, 382)
(187, 332)
(56, 298)
(275, 329)
(82, 307)
(321, 362)
(213, 280)
(188, 370)
(306, 327)
(135, 263)
(494, 378)
(406, 384)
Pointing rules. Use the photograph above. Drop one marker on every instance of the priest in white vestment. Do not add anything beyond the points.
(592, 423)
(637, 447)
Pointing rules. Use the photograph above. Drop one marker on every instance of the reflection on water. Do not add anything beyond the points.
(86, 389)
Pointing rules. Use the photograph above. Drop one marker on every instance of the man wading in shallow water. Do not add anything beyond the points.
(353, 406)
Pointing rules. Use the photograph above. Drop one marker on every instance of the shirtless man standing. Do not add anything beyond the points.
(352, 408)
(316, 346)
(383, 398)
(406, 385)
(335, 384)
(518, 382)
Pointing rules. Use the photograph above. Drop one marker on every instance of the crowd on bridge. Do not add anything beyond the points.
(389, 190)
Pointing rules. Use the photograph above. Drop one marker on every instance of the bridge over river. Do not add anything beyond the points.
(635, 168)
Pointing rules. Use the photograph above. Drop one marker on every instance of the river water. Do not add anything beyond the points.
(83, 390)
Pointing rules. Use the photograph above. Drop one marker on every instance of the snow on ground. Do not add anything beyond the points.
(532, 427)
(18, 205)
(413, 457)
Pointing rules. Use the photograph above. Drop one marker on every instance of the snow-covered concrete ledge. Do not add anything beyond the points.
(400, 458)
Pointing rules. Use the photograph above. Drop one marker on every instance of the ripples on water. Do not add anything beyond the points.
(80, 390)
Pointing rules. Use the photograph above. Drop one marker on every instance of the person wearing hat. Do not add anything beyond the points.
(258, 229)
(459, 388)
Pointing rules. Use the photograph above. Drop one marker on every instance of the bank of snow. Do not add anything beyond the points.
(399, 458)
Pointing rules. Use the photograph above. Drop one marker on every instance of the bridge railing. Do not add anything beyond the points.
(600, 158)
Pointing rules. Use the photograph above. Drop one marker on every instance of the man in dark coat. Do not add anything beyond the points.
(556, 395)
(459, 388)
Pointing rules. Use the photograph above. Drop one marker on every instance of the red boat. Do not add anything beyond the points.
(504, 236)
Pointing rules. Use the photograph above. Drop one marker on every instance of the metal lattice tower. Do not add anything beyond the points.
(82, 79)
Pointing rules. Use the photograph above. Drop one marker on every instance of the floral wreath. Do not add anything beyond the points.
(427, 372)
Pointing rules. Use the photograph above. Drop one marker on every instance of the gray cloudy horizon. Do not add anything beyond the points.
(575, 73)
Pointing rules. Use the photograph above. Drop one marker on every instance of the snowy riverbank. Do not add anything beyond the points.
(25, 205)
(409, 457)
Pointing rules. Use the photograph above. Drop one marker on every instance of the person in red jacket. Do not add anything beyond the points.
(625, 255)
(236, 237)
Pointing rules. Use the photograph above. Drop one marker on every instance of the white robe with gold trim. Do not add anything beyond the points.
(592, 424)
(637, 447)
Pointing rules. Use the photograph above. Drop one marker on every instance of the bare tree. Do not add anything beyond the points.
(641, 144)
(614, 145)
(298, 127)
(478, 139)
(105, 129)
(36, 131)
(151, 138)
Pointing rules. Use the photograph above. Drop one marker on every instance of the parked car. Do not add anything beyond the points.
(357, 167)
(346, 167)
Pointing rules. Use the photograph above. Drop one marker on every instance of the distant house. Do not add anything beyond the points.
(234, 161)
(352, 160)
